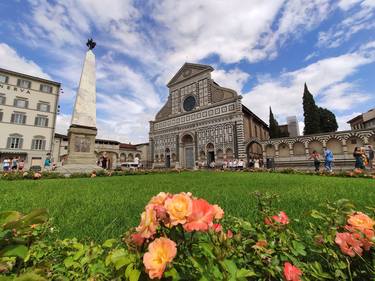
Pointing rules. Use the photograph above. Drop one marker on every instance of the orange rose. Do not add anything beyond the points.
(291, 272)
(361, 221)
(201, 216)
(149, 223)
(160, 253)
(218, 212)
(349, 244)
(159, 199)
(178, 207)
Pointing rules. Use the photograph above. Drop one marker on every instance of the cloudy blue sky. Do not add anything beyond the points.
(266, 50)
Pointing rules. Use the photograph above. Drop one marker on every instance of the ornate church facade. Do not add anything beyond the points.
(202, 121)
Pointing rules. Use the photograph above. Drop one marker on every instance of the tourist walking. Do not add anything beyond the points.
(6, 164)
(14, 164)
(47, 164)
(21, 165)
(316, 157)
(328, 159)
(358, 158)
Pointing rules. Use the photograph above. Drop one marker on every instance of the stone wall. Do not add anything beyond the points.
(294, 152)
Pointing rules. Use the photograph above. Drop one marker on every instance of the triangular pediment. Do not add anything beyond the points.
(188, 70)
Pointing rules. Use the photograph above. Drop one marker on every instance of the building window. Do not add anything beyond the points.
(41, 121)
(18, 118)
(43, 106)
(2, 99)
(24, 83)
(1, 115)
(15, 141)
(45, 88)
(3, 79)
(38, 143)
(22, 103)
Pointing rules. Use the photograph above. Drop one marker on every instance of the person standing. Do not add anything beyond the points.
(316, 157)
(370, 155)
(256, 163)
(328, 159)
(21, 165)
(14, 164)
(240, 164)
(6, 164)
(358, 158)
(47, 164)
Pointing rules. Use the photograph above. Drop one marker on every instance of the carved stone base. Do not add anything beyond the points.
(81, 147)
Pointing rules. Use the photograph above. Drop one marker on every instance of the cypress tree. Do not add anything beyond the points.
(310, 113)
(274, 127)
(328, 121)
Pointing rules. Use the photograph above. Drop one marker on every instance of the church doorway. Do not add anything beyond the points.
(210, 154)
(254, 150)
(167, 158)
(187, 142)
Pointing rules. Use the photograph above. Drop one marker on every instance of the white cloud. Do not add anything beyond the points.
(10, 59)
(234, 78)
(325, 79)
(359, 16)
(62, 123)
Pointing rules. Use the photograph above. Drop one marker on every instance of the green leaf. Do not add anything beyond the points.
(245, 273)
(299, 247)
(6, 217)
(20, 251)
(207, 249)
(173, 274)
(109, 243)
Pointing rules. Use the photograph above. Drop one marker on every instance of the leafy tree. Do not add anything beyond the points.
(274, 126)
(328, 121)
(310, 113)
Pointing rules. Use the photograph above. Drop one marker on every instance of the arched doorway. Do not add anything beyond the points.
(210, 153)
(254, 150)
(167, 158)
(188, 147)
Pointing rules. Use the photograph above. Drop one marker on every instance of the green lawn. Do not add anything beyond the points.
(101, 208)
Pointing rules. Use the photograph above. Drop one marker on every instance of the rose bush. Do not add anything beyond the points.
(182, 237)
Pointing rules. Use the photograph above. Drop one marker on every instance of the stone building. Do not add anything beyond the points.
(115, 151)
(363, 121)
(28, 108)
(294, 152)
(202, 121)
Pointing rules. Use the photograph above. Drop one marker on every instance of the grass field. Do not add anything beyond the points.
(102, 208)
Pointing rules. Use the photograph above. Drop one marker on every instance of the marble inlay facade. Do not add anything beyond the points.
(202, 121)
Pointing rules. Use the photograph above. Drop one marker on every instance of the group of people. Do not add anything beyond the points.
(14, 164)
(232, 164)
(364, 157)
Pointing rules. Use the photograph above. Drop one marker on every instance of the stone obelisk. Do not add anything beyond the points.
(82, 131)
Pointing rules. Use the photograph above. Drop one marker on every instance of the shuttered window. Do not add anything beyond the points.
(24, 83)
(2, 99)
(45, 88)
(3, 79)
(43, 106)
(18, 118)
(15, 142)
(22, 103)
(38, 144)
(41, 121)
